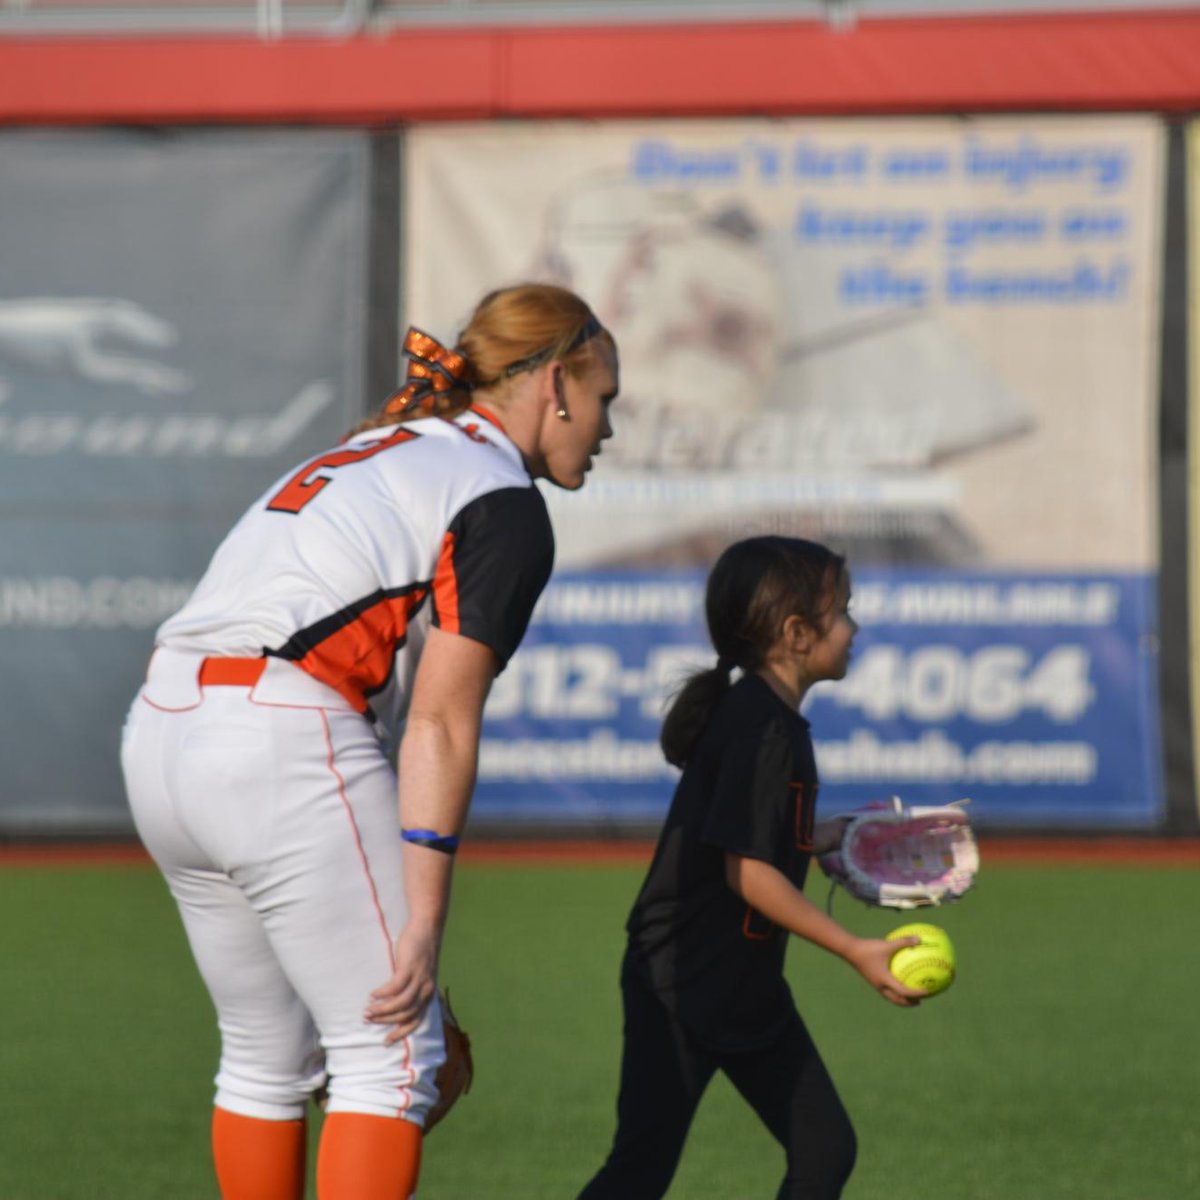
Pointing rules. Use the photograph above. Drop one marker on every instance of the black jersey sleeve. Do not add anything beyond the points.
(496, 558)
(752, 795)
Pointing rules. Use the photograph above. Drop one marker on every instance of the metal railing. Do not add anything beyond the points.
(340, 18)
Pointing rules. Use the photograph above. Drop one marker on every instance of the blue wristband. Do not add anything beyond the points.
(446, 843)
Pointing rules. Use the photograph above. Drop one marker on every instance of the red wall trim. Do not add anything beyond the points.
(1114, 61)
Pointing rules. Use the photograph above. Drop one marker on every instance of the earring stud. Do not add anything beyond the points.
(561, 414)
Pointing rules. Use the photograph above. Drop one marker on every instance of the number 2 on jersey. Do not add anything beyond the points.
(306, 483)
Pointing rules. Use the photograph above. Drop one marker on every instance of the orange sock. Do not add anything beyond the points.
(256, 1159)
(363, 1157)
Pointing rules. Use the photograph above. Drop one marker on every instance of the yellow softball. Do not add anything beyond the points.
(929, 966)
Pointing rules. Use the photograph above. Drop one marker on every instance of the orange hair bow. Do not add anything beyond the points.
(432, 372)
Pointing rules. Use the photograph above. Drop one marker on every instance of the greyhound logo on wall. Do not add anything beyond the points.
(110, 342)
(182, 317)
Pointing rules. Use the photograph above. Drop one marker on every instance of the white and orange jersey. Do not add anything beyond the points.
(343, 563)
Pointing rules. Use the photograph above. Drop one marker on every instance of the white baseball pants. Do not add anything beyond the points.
(271, 810)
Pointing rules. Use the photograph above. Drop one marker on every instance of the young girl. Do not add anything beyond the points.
(702, 979)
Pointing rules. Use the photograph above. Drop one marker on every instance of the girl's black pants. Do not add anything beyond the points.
(664, 1071)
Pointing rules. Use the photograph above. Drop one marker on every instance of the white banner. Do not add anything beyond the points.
(929, 341)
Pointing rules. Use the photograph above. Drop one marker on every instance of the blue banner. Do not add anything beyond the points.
(1033, 695)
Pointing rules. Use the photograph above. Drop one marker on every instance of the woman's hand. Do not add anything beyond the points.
(871, 958)
(402, 1000)
(436, 776)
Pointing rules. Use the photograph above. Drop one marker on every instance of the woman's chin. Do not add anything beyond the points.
(569, 482)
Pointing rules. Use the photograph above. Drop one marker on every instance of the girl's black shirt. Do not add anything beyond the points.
(749, 788)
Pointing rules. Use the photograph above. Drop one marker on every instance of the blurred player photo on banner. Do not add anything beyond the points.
(734, 377)
(930, 343)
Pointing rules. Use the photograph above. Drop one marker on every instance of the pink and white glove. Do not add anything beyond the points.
(896, 857)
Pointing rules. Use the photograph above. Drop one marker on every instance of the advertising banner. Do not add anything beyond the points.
(181, 318)
(931, 344)
(978, 685)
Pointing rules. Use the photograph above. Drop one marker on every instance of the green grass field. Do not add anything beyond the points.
(1063, 1065)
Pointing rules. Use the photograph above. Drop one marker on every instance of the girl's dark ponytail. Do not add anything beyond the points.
(690, 711)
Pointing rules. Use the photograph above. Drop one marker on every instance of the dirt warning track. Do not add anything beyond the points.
(999, 851)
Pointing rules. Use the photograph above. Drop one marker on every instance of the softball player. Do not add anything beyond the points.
(702, 978)
(373, 591)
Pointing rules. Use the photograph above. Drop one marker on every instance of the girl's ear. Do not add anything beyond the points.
(798, 635)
